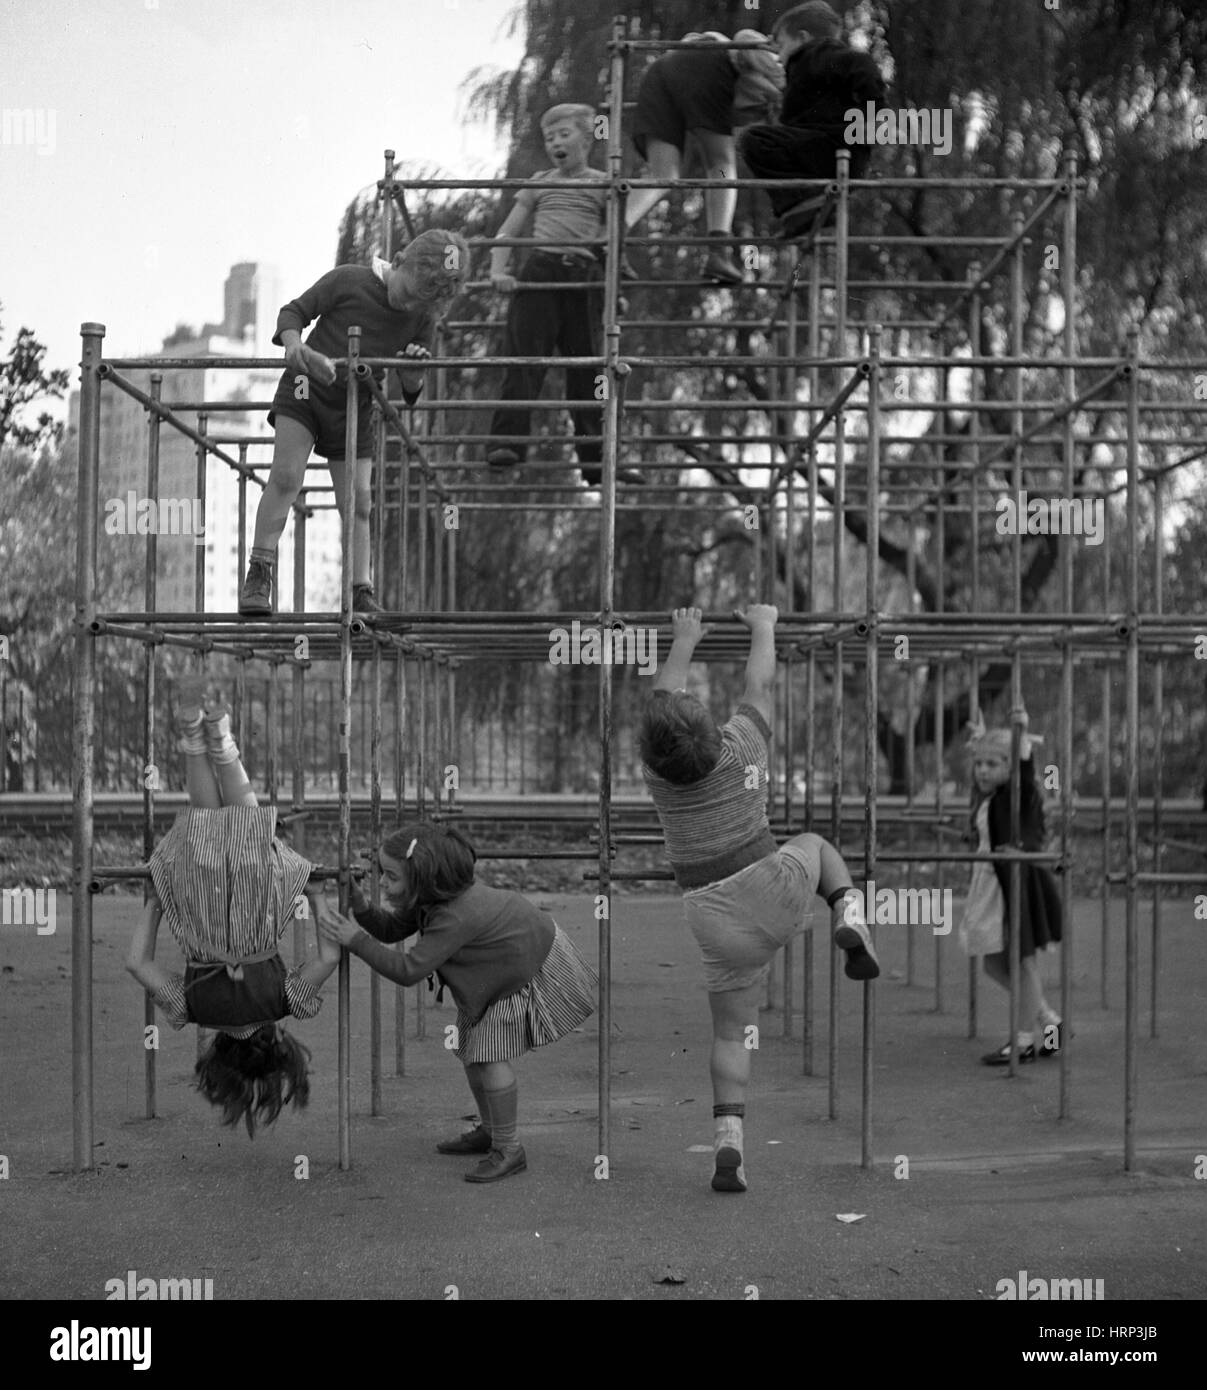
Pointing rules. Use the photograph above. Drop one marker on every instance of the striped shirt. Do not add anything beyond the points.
(229, 890)
(718, 825)
(565, 215)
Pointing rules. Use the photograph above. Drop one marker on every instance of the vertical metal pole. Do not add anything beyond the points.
(607, 577)
(400, 997)
(841, 253)
(1068, 269)
(1131, 764)
(378, 519)
(1107, 740)
(149, 760)
(911, 718)
(84, 709)
(808, 1023)
(199, 550)
(298, 713)
(871, 741)
(1016, 684)
(1158, 772)
(974, 598)
(422, 540)
(345, 748)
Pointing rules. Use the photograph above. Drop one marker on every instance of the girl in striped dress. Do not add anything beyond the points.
(517, 980)
(229, 889)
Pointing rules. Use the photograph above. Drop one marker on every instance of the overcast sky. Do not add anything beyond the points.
(177, 137)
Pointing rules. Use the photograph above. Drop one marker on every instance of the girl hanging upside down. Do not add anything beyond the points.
(229, 889)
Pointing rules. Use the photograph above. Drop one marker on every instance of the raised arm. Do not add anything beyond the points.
(760, 618)
(140, 959)
(316, 971)
(686, 632)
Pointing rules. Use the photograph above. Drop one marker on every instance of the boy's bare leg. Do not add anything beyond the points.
(720, 162)
(847, 913)
(663, 161)
(290, 450)
(733, 1012)
(362, 503)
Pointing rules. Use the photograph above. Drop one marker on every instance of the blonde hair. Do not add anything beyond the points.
(575, 112)
(439, 260)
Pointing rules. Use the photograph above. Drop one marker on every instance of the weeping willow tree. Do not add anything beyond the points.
(1112, 81)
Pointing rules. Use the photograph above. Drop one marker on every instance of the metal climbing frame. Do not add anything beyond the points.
(837, 385)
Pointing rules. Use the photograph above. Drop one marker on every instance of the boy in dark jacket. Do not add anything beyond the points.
(826, 78)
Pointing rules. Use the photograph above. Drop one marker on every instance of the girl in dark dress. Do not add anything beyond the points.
(985, 927)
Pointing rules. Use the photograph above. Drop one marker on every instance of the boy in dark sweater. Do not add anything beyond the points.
(826, 77)
(397, 306)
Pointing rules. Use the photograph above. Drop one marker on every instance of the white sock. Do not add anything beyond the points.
(728, 1132)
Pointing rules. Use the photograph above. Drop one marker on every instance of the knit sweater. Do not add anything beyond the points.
(718, 825)
(825, 79)
(485, 945)
(353, 294)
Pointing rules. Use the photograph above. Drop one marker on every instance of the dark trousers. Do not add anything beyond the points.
(544, 323)
(797, 152)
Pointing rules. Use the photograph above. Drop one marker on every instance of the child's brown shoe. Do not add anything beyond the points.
(498, 1165)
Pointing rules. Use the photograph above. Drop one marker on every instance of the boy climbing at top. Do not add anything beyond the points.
(564, 318)
(826, 77)
(693, 99)
(397, 306)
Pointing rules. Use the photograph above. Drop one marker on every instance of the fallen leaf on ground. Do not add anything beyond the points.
(851, 1216)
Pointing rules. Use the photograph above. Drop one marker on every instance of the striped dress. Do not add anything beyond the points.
(229, 889)
(556, 1001)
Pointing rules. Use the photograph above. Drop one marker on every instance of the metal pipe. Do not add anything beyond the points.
(149, 781)
(83, 715)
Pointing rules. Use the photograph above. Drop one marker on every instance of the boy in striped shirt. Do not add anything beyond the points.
(566, 317)
(742, 897)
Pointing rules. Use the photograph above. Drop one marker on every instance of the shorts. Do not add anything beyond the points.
(740, 922)
(325, 415)
(689, 89)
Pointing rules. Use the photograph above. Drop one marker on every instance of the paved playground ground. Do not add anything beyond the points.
(996, 1182)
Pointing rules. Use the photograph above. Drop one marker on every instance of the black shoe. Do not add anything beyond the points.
(473, 1141)
(498, 1165)
(1001, 1058)
(256, 595)
(503, 458)
(364, 600)
(855, 939)
(729, 1173)
(722, 268)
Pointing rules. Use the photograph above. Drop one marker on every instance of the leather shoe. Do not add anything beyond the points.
(498, 1165)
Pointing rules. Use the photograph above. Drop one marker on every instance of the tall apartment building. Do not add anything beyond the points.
(252, 298)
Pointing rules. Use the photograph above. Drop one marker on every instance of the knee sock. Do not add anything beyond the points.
(220, 744)
(727, 1124)
(501, 1109)
(480, 1100)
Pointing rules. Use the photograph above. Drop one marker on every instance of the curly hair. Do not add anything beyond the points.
(440, 861)
(439, 260)
(254, 1078)
(679, 739)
